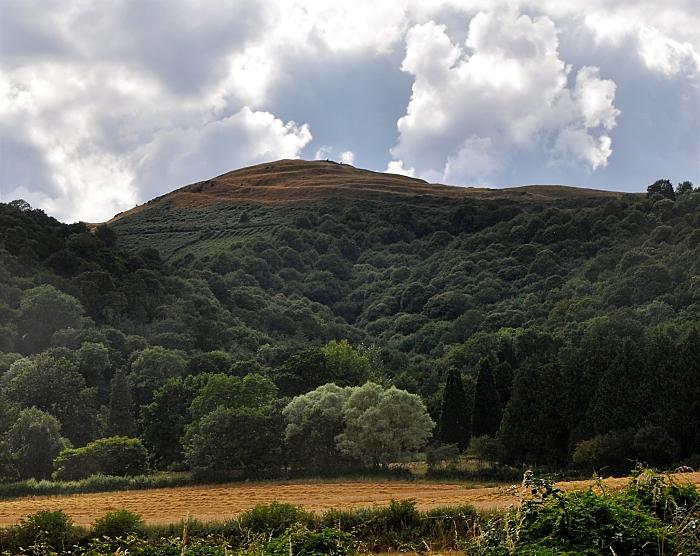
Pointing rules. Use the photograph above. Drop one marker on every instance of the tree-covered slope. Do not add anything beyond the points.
(582, 303)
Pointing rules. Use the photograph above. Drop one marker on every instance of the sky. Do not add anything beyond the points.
(108, 103)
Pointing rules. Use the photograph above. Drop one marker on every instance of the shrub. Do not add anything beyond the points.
(446, 526)
(49, 527)
(493, 473)
(440, 454)
(396, 525)
(611, 451)
(300, 541)
(635, 521)
(487, 448)
(661, 495)
(115, 456)
(273, 519)
(654, 446)
(117, 524)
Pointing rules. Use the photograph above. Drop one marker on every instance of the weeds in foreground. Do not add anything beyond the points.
(652, 516)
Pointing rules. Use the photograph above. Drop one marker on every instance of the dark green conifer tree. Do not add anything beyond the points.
(685, 414)
(455, 416)
(120, 415)
(486, 415)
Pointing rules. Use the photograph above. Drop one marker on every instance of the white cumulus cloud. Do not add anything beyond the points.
(347, 157)
(183, 155)
(397, 167)
(507, 89)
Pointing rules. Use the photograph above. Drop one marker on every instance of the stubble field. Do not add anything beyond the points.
(216, 503)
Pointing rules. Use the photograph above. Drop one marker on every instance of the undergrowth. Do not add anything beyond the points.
(652, 516)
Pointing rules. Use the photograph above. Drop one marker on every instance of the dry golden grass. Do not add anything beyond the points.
(209, 503)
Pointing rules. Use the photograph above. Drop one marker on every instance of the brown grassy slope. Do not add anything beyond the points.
(302, 181)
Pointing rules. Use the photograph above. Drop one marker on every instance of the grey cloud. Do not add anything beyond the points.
(31, 30)
(22, 166)
(183, 44)
(350, 102)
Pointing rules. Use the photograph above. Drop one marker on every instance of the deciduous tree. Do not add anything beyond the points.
(384, 425)
(33, 441)
(120, 414)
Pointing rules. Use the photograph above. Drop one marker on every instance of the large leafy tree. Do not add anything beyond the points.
(684, 187)
(383, 426)
(53, 384)
(163, 421)
(95, 365)
(303, 372)
(314, 420)
(33, 441)
(43, 311)
(663, 188)
(233, 392)
(247, 439)
(151, 368)
(349, 366)
(235, 424)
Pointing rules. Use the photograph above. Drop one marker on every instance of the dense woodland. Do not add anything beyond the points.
(349, 332)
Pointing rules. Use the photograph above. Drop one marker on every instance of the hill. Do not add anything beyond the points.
(570, 315)
(203, 214)
(301, 181)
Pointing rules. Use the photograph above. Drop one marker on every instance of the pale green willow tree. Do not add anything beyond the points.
(313, 422)
(371, 424)
(383, 426)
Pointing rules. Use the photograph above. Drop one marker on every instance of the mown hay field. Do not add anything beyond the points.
(216, 503)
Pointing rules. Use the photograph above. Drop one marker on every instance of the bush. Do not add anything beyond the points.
(117, 456)
(446, 526)
(654, 446)
(487, 448)
(48, 527)
(400, 525)
(440, 454)
(494, 473)
(651, 516)
(662, 496)
(610, 451)
(274, 519)
(117, 524)
(300, 541)
(395, 525)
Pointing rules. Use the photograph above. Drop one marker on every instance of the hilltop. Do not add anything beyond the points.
(203, 219)
(305, 182)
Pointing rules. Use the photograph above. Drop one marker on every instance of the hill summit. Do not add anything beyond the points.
(307, 181)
